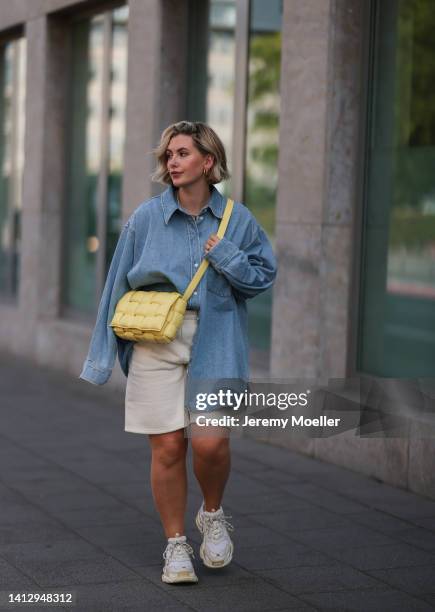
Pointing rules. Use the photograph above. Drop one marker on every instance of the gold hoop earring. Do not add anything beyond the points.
(204, 171)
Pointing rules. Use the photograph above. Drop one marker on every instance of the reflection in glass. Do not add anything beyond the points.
(84, 162)
(261, 172)
(95, 154)
(397, 336)
(118, 99)
(211, 85)
(12, 125)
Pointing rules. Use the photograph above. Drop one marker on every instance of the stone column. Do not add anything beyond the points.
(43, 183)
(156, 89)
(305, 72)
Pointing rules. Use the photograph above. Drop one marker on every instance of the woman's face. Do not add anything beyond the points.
(185, 162)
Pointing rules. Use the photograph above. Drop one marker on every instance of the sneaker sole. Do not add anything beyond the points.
(216, 564)
(213, 564)
(180, 577)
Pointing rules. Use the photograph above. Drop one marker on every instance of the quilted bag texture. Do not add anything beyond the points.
(152, 316)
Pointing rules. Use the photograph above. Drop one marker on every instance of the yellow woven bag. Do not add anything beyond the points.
(155, 316)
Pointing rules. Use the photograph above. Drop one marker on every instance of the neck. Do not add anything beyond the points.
(194, 197)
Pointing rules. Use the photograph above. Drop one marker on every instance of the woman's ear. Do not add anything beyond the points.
(209, 161)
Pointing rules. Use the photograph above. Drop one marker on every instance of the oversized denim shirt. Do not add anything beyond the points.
(160, 248)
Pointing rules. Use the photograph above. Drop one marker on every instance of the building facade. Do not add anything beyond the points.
(326, 111)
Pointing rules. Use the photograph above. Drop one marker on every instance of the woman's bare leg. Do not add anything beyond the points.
(169, 479)
(211, 466)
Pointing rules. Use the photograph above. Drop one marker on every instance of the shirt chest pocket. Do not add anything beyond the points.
(217, 283)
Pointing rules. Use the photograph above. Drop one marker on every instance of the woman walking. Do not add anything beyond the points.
(160, 248)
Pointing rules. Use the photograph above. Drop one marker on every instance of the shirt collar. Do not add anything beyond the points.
(169, 202)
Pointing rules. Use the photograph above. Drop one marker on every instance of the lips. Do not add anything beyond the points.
(175, 174)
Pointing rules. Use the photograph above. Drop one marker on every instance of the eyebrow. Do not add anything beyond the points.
(179, 149)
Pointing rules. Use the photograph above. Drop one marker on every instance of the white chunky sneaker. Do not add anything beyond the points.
(217, 548)
(178, 566)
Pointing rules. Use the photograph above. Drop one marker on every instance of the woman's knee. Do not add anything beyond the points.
(211, 449)
(169, 448)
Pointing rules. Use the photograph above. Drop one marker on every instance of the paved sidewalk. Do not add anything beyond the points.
(77, 514)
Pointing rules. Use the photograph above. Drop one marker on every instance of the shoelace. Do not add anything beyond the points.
(178, 550)
(215, 525)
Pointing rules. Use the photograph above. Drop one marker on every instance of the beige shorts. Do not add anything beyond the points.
(154, 396)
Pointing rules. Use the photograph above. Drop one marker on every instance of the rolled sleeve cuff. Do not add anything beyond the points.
(221, 253)
(94, 375)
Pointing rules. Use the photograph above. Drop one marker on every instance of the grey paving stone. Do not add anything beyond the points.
(100, 472)
(9, 494)
(430, 599)
(132, 595)
(320, 578)
(366, 601)
(277, 477)
(115, 514)
(324, 498)
(380, 521)
(394, 501)
(13, 579)
(21, 532)
(20, 459)
(21, 555)
(341, 538)
(75, 501)
(138, 554)
(295, 520)
(413, 508)
(249, 595)
(413, 580)
(418, 537)
(284, 555)
(29, 473)
(238, 483)
(427, 523)
(69, 483)
(383, 557)
(244, 464)
(245, 537)
(12, 512)
(133, 489)
(122, 535)
(57, 572)
(274, 502)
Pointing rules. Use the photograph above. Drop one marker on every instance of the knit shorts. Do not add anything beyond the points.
(155, 391)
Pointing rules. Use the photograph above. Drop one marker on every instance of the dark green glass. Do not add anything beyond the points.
(397, 316)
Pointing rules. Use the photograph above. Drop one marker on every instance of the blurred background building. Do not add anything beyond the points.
(327, 111)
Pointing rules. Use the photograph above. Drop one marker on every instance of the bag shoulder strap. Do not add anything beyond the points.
(204, 264)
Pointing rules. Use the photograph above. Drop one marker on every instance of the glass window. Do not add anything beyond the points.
(95, 155)
(12, 124)
(262, 132)
(211, 84)
(212, 98)
(397, 317)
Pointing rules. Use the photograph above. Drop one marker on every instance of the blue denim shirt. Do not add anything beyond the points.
(160, 248)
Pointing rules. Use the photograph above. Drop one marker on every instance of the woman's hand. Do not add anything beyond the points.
(211, 242)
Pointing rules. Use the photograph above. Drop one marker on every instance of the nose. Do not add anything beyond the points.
(173, 162)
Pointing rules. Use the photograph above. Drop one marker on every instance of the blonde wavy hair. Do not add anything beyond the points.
(206, 141)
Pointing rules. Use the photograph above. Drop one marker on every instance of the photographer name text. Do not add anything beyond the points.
(295, 421)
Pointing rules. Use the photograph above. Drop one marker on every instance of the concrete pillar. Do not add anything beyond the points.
(296, 329)
(156, 89)
(42, 189)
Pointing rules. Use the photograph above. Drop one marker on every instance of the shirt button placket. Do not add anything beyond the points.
(196, 256)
